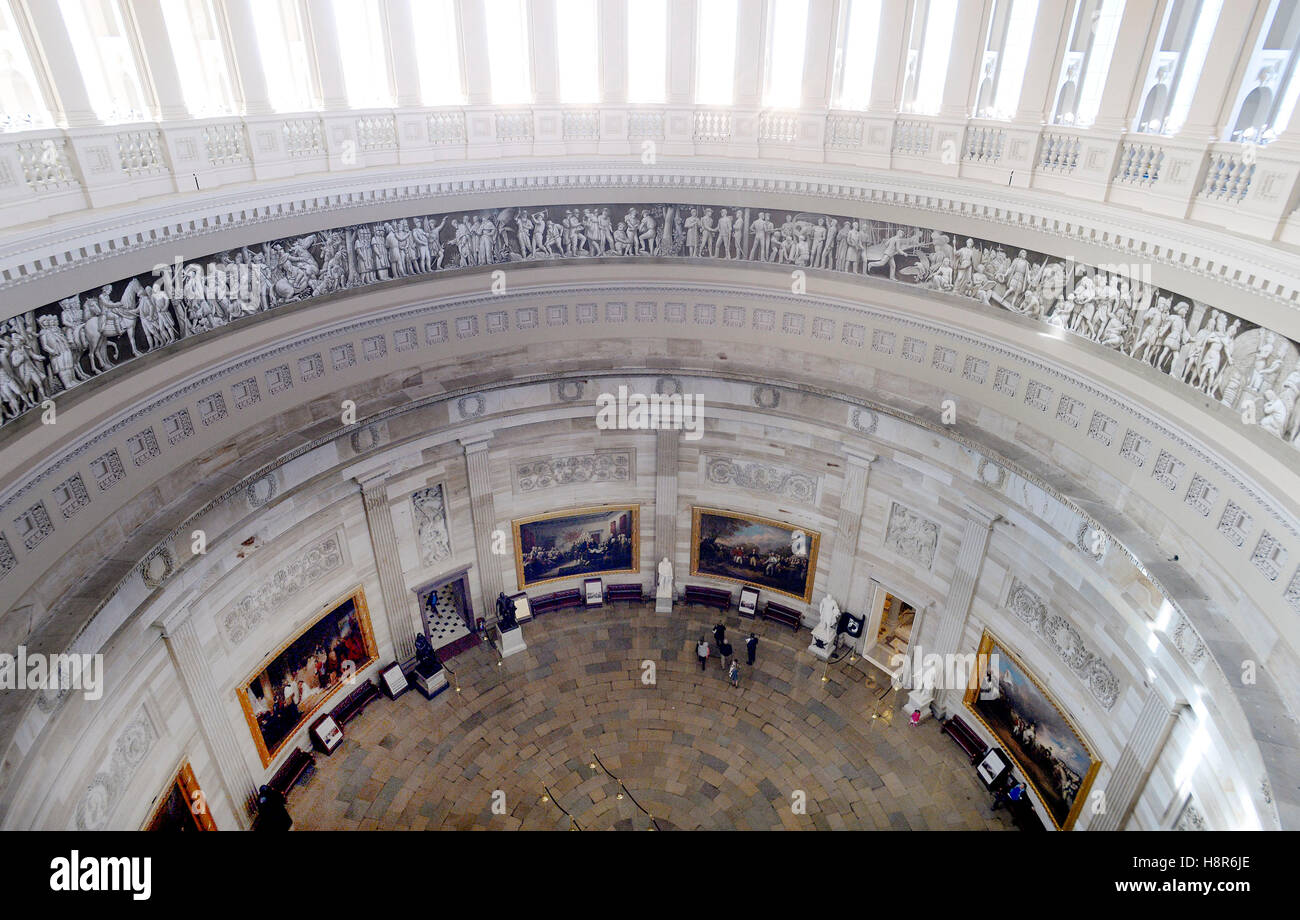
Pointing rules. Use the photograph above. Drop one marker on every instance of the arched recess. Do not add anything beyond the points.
(715, 321)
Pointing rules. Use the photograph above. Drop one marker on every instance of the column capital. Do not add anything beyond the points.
(858, 456)
(979, 515)
(374, 480)
(177, 615)
(475, 443)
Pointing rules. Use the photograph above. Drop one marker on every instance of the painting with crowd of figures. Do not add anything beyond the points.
(754, 551)
(58, 346)
(302, 675)
(1046, 747)
(596, 540)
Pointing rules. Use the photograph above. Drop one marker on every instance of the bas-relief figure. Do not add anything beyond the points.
(431, 524)
(56, 347)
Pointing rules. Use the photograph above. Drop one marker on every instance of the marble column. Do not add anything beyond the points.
(681, 52)
(474, 52)
(961, 81)
(1146, 741)
(329, 60)
(891, 45)
(613, 38)
(667, 450)
(156, 45)
(948, 631)
(546, 54)
(1038, 89)
(402, 46)
(72, 107)
(483, 513)
(398, 602)
(255, 93)
(840, 582)
(1124, 78)
(819, 55)
(191, 664)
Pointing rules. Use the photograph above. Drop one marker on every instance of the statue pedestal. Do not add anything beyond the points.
(822, 652)
(919, 701)
(664, 601)
(510, 642)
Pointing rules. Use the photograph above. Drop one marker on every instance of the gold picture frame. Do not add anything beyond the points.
(245, 693)
(1062, 807)
(529, 531)
(771, 577)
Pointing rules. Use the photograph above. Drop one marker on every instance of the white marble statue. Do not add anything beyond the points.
(826, 627)
(665, 577)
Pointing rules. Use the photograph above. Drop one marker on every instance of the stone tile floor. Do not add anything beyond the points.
(696, 752)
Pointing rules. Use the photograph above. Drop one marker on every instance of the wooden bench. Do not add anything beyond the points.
(355, 702)
(709, 597)
(559, 600)
(965, 737)
(624, 592)
(787, 616)
(290, 771)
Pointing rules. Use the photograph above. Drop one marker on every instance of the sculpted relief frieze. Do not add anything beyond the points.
(549, 472)
(1248, 368)
(912, 536)
(763, 477)
(307, 568)
(1065, 640)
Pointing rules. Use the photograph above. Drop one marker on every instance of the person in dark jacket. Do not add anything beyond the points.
(719, 635)
(751, 648)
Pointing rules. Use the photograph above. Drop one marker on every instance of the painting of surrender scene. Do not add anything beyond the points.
(596, 540)
(754, 551)
(305, 673)
(1049, 751)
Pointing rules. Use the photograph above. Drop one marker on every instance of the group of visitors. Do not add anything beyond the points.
(724, 652)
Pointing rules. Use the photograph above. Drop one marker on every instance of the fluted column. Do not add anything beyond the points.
(474, 52)
(401, 43)
(72, 102)
(681, 51)
(960, 82)
(848, 527)
(483, 513)
(191, 664)
(961, 591)
(891, 43)
(546, 53)
(748, 91)
(1146, 741)
(329, 61)
(612, 32)
(1229, 44)
(667, 450)
(398, 602)
(1038, 89)
(819, 54)
(1136, 28)
(253, 89)
(155, 42)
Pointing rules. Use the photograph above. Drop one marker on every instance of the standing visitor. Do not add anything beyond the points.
(751, 648)
(734, 674)
(702, 651)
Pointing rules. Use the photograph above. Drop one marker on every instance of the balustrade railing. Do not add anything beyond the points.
(713, 125)
(1139, 163)
(1228, 175)
(912, 136)
(1058, 153)
(778, 128)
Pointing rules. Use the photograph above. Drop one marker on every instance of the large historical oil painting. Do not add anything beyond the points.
(595, 540)
(1050, 752)
(299, 678)
(754, 551)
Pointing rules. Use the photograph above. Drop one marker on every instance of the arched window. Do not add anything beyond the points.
(577, 51)
(1267, 96)
(647, 51)
(787, 26)
(285, 55)
(1006, 53)
(1082, 78)
(22, 104)
(855, 53)
(364, 53)
(715, 53)
(107, 59)
(929, 45)
(200, 57)
(1176, 65)
(439, 57)
(508, 58)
